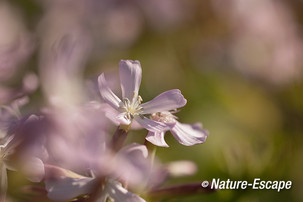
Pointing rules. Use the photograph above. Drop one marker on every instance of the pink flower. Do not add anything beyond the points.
(154, 115)
(63, 184)
(130, 107)
(186, 134)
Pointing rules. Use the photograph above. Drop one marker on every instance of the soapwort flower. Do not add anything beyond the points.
(186, 134)
(156, 115)
(103, 183)
(63, 185)
(130, 108)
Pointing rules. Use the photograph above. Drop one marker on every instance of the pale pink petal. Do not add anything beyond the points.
(63, 185)
(11, 144)
(116, 117)
(134, 148)
(133, 159)
(157, 138)
(121, 118)
(189, 134)
(166, 101)
(107, 94)
(33, 168)
(135, 125)
(130, 78)
(5, 145)
(110, 113)
(151, 125)
(116, 192)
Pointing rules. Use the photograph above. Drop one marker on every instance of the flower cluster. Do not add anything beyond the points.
(68, 144)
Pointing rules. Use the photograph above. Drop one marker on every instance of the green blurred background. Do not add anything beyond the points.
(237, 63)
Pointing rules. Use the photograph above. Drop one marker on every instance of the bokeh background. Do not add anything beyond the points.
(238, 63)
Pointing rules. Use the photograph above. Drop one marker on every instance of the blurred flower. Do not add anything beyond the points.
(78, 140)
(10, 114)
(30, 82)
(15, 43)
(65, 47)
(63, 184)
(15, 154)
(181, 168)
(265, 40)
(116, 192)
(165, 15)
(130, 108)
(33, 168)
(121, 25)
(76, 136)
(186, 134)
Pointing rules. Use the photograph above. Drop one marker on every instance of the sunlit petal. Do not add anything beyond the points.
(130, 78)
(115, 191)
(189, 134)
(166, 101)
(157, 138)
(107, 94)
(151, 125)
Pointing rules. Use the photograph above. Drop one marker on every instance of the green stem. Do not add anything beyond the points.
(151, 151)
(180, 190)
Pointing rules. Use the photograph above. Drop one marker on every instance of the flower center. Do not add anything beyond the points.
(164, 117)
(131, 108)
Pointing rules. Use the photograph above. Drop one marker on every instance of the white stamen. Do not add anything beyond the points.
(132, 108)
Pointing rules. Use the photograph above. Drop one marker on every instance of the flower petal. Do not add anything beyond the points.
(63, 185)
(166, 101)
(116, 117)
(110, 113)
(122, 119)
(33, 168)
(189, 134)
(134, 149)
(135, 125)
(130, 78)
(115, 191)
(9, 139)
(157, 138)
(107, 94)
(133, 159)
(181, 168)
(151, 125)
